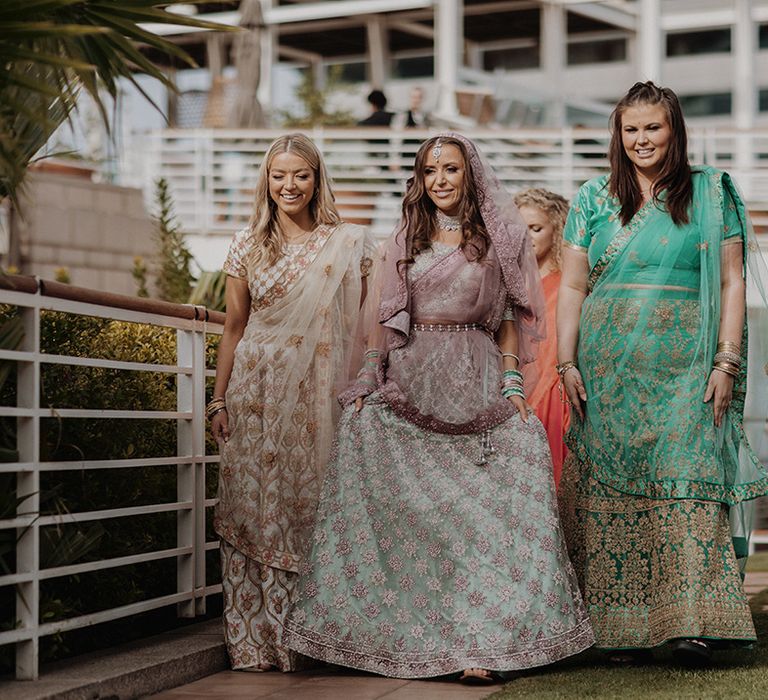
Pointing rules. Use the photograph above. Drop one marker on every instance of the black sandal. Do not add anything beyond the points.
(629, 657)
(692, 653)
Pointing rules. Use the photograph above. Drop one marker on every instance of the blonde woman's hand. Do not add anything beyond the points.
(574, 390)
(522, 406)
(359, 404)
(719, 388)
(220, 426)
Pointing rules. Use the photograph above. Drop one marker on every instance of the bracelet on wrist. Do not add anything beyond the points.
(563, 367)
(727, 369)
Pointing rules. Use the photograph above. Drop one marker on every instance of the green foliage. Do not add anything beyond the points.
(51, 49)
(314, 102)
(76, 490)
(139, 273)
(210, 290)
(174, 276)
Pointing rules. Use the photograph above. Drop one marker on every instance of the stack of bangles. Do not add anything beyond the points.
(216, 405)
(728, 358)
(563, 367)
(512, 384)
(367, 373)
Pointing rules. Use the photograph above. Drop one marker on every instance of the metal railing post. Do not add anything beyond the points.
(28, 489)
(185, 475)
(198, 445)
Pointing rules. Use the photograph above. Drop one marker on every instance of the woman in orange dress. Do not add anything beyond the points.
(545, 213)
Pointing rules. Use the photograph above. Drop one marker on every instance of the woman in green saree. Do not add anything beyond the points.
(652, 346)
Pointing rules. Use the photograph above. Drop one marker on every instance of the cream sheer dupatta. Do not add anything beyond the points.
(288, 366)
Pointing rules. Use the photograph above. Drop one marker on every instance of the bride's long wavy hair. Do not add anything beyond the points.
(268, 238)
(419, 219)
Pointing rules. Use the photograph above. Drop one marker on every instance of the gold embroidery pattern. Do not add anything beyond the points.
(640, 437)
(651, 570)
(618, 242)
(268, 286)
(257, 598)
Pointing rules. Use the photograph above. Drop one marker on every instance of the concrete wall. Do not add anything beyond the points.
(94, 230)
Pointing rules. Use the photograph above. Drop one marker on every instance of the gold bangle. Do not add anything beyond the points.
(563, 367)
(728, 346)
(728, 363)
(727, 369)
(209, 416)
(214, 406)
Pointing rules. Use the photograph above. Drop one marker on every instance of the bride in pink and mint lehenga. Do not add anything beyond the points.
(437, 547)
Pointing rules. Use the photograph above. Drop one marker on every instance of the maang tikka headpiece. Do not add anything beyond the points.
(437, 150)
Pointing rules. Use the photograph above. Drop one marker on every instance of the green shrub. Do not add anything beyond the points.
(65, 439)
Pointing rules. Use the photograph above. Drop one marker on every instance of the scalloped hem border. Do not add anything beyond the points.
(408, 665)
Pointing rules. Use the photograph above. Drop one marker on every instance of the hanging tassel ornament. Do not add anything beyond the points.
(486, 448)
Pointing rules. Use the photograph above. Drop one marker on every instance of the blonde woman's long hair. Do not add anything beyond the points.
(268, 238)
(556, 209)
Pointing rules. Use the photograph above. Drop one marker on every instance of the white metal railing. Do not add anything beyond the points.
(191, 327)
(212, 171)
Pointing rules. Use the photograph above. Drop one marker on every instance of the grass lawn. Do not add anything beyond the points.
(741, 675)
(758, 562)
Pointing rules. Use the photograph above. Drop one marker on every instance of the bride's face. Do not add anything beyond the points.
(444, 178)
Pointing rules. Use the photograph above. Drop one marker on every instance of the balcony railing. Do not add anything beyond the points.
(190, 325)
(212, 172)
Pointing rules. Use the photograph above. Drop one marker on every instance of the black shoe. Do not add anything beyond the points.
(693, 653)
(629, 657)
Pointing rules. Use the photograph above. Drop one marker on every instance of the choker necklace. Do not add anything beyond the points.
(448, 223)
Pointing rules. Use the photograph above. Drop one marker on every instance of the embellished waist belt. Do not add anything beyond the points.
(448, 327)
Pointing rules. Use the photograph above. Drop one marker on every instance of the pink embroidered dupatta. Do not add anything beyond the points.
(462, 291)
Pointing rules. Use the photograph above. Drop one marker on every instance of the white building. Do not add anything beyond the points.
(543, 62)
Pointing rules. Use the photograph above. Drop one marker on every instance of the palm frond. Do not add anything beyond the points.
(50, 49)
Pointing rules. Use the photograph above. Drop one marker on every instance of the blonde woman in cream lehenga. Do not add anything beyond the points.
(296, 277)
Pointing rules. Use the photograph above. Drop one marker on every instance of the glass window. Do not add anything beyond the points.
(762, 101)
(762, 41)
(713, 104)
(693, 43)
(511, 59)
(413, 67)
(597, 51)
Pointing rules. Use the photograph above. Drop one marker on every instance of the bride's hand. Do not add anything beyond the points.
(522, 406)
(358, 404)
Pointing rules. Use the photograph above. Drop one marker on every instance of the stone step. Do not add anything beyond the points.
(133, 670)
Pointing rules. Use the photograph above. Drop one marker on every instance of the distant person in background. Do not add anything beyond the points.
(545, 213)
(378, 116)
(415, 116)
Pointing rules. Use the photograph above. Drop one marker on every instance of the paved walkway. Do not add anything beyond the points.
(342, 685)
(321, 685)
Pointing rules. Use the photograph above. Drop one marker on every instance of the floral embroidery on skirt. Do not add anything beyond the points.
(651, 570)
(425, 563)
(256, 600)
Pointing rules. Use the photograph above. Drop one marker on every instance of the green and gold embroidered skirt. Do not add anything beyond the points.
(651, 570)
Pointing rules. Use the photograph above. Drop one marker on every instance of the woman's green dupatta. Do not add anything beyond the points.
(648, 335)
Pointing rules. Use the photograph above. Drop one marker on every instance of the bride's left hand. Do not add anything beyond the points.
(522, 406)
